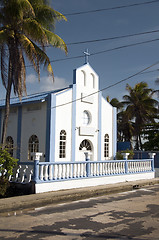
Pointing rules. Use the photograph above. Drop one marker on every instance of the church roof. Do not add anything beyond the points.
(38, 97)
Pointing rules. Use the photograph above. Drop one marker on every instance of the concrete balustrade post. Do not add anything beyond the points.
(36, 157)
(36, 170)
(152, 156)
(125, 157)
(88, 167)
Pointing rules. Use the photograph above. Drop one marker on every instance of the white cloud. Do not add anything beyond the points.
(47, 84)
(31, 78)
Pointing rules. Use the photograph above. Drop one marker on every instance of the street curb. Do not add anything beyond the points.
(42, 199)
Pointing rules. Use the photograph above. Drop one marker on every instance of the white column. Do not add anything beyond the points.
(125, 155)
(152, 155)
(36, 155)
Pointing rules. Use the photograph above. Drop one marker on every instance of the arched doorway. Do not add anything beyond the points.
(85, 148)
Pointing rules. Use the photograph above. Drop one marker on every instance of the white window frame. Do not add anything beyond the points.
(62, 144)
(106, 145)
(33, 146)
(86, 118)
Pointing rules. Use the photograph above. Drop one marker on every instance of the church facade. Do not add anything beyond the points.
(69, 124)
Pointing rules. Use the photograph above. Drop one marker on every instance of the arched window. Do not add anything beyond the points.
(106, 146)
(85, 145)
(93, 80)
(33, 146)
(9, 145)
(86, 118)
(62, 147)
(84, 77)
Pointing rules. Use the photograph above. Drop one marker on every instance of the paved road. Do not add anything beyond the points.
(127, 215)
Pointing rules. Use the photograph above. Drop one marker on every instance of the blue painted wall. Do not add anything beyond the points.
(48, 122)
(121, 146)
(114, 132)
(0, 122)
(19, 129)
(52, 129)
(74, 117)
(99, 126)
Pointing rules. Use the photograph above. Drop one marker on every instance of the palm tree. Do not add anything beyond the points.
(140, 107)
(124, 124)
(156, 91)
(26, 27)
(125, 127)
(116, 103)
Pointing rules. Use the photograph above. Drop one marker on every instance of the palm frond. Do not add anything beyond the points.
(3, 36)
(44, 59)
(15, 10)
(34, 30)
(56, 41)
(29, 49)
(45, 14)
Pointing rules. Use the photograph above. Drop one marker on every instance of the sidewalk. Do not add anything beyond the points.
(38, 200)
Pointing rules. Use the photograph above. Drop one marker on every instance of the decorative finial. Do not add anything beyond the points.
(87, 54)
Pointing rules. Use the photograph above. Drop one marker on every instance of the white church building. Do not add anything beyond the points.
(66, 124)
(75, 131)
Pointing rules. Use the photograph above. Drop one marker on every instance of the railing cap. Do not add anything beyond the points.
(152, 155)
(36, 155)
(125, 155)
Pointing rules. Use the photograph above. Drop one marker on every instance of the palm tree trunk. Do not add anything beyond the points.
(140, 142)
(137, 143)
(6, 116)
(7, 107)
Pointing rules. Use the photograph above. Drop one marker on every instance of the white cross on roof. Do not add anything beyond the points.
(87, 54)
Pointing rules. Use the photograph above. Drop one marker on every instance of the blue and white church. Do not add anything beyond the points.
(67, 124)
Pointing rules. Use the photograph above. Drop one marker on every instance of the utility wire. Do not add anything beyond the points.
(156, 70)
(111, 8)
(103, 89)
(110, 38)
(105, 39)
(112, 85)
(125, 46)
(104, 51)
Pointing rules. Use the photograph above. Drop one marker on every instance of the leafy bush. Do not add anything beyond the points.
(7, 163)
(4, 185)
(119, 155)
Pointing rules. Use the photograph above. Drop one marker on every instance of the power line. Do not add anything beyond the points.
(156, 70)
(111, 8)
(106, 39)
(112, 85)
(103, 89)
(125, 46)
(103, 51)
(107, 50)
(111, 38)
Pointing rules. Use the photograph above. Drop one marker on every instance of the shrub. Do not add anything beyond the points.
(119, 155)
(7, 163)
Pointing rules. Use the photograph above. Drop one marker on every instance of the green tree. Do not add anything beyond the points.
(116, 103)
(141, 108)
(26, 27)
(124, 124)
(151, 135)
(125, 127)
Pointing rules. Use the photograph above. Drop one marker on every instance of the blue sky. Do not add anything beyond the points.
(111, 66)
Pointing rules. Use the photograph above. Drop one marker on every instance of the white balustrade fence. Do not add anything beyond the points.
(47, 172)
(23, 173)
